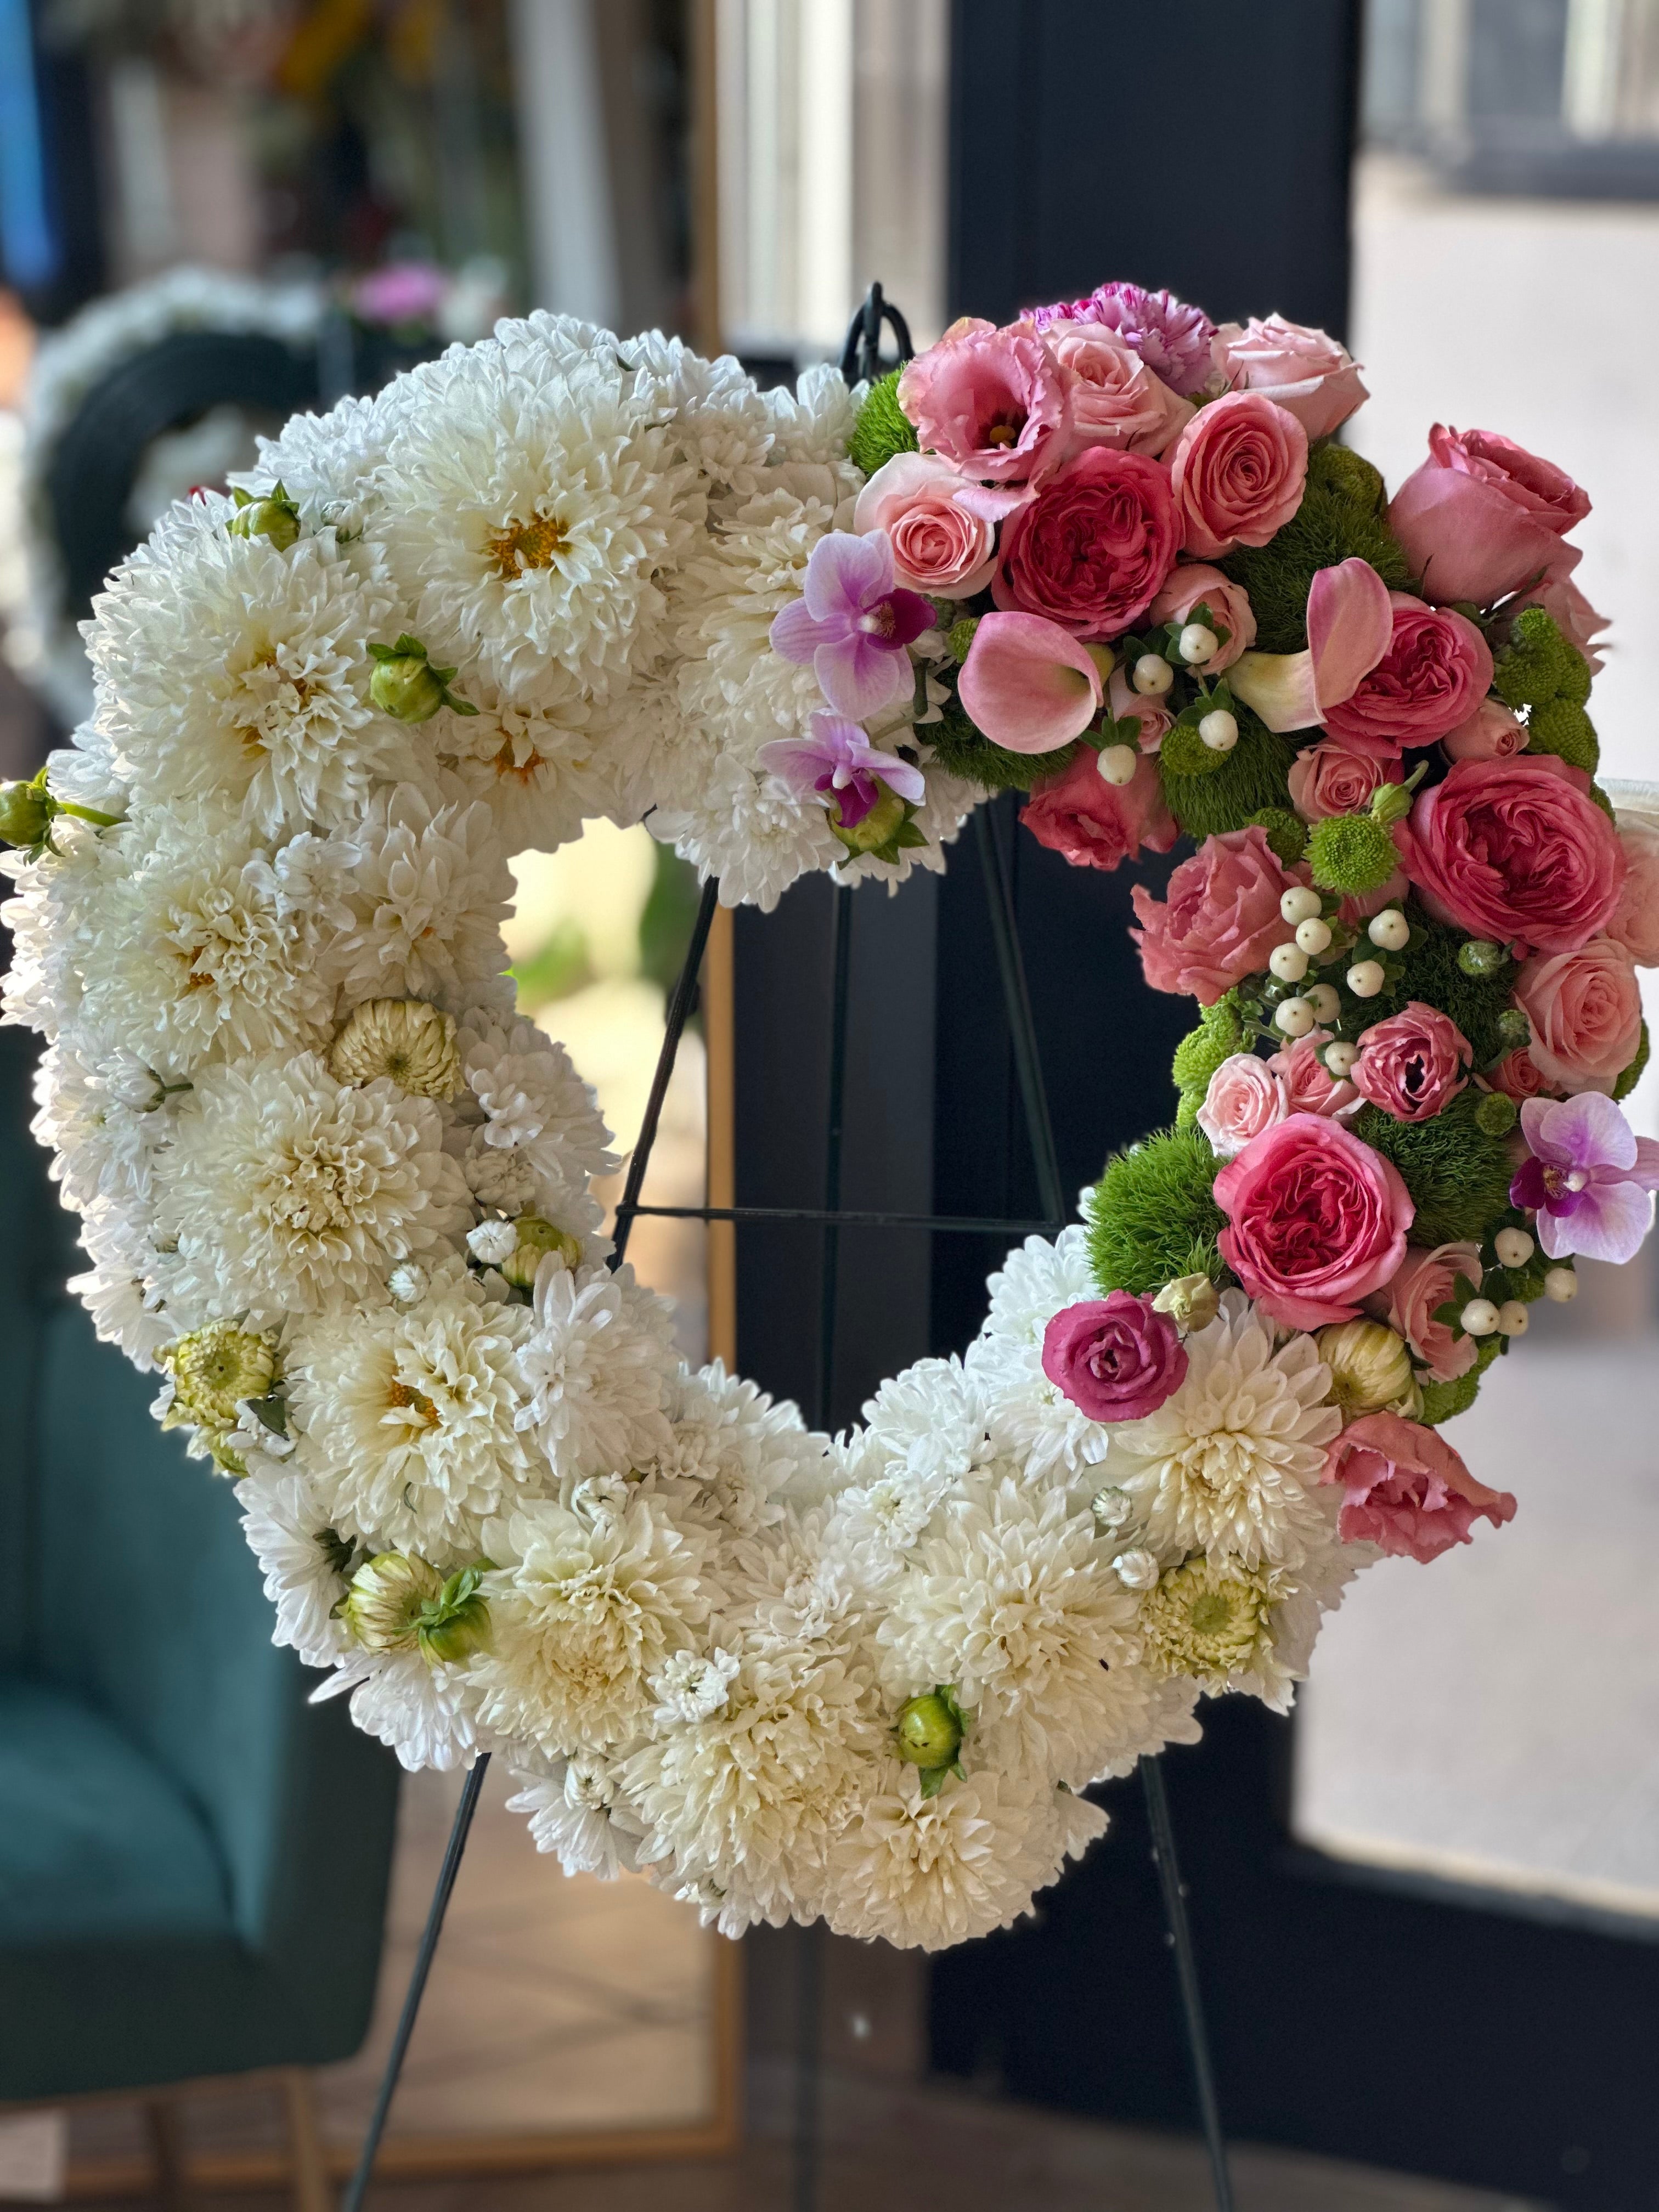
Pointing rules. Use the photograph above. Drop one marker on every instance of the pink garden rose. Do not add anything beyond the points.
(1194, 584)
(1308, 375)
(1316, 1220)
(1220, 920)
(1128, 705)
(1094, 546)
(1310, 1086)
(1492, 732)
(1585, 1008)
(1027, 684)
(1515, 849)
(1483, 516)
(1406, 1489)
(1436, 671)
(1239, 471)
(1095, 824)
(1426, 1281)
(1516, 1075)
(1339, 774)
(1116, 399)
(943, 528)
(991, 401)
(1413, 1064)
(1635, 921)
(1114, 1358)
(1246, 1096)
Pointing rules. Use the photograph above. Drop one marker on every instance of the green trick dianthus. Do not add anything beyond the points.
(1152, 1216)
(959, 747)
(1432, 975)
(1350, 852)
(883, 428)
(1220, 1034)
(1287, 833)
(1248, 780)
(1441, 1400)
(1340, 518)
(1457, 1174)
(1560, 727)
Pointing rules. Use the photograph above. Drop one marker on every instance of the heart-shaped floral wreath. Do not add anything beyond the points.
(339, 1195)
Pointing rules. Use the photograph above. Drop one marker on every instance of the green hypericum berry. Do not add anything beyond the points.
(1560, 727)
(275, 517)
(928, 1734)
(406, 685)
(960, 637)
(1350, 852)
(1479, 955)
(1496, 1113)
(537, 1238)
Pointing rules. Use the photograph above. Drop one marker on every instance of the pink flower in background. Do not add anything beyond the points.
(1173, 339)
(1239, 470)
(1316, 1220)
(1406, 1489)
(942, 528)
(1028, 685)
(853, 624)
(839, 761)
(1245, 1097)
(1339, 774)
(1585, 1008)
(1517, 1075)
(402, 292)
(1116, 399)
(1308, 375)
(1413, 1064)
(1193, 584)
(1114, 1358)
(1310, 1086)
(1492, 732)
(1426, 1281)
(1590, 1178)
(993, 402)
(1436, 671)
(1220, 918)
(1152, 716)
(1092, 548)
(1350, 628)
(1095, 824)
(1635, 921)
(1483, 516)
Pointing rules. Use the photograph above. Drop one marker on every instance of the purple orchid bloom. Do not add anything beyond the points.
(853, 625)
(839, 760)
(1590, 1178)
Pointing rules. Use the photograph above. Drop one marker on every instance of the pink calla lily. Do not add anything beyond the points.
(1027, 684)
(1350, 627)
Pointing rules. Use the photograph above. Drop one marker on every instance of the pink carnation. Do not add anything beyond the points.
(1095, 824)
(1413, 1064)
(1239, 471)
(1426, 1281)
(994, 402)
(1220, 920)
(1406, 1489)
(1316, 1220)
(1585, 1008)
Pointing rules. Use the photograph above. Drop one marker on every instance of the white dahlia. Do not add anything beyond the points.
(595, 1371)
(923, 1873)
(578, 1813)
(430, 890)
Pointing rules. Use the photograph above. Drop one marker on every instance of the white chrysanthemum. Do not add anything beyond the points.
(791, 1586)
(585, 1611)
(543, 769)
(748, 829)
(425, 1713)
(1032, 1420)
(431, 889)
(925, 1872)
(930, 1421)
(1231, 1464)
(735, 1456)
(693, 1686)
(326, 463)
(719, 422)
(595, 1369)
(84, 774)
(105, 1121)
(119, 1289)
(403, 1417)
(42, 984)
(287, 1532)
(534, 1101)
(815, 421)
(288, 1192)
(578, 1813)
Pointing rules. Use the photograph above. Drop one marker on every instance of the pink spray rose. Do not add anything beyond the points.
(1515, 849)
(1492, 732)
(994, 402)
(1093, 547)
(1635, 921)
(1114, 1358)
(1095, 824)
(1310, 1086)
(1413, 1063)
(1308, 375)
(1194, 584)
(1028, 685)
(1220, 920)
(1116, 399)
(1245, 1097)
(1239, 470)
(1406, 1489)
(943, 528)
(1516, 1075)
(1127, 705)
(1436, 671)
(1483, 516)
(1339, 774)
(1585, 1008)
(1316, 1220)
(1426, 1281)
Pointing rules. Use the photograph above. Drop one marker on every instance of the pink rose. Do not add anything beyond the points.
(1220, 920)
(1194, 584)
(1306, 372)
(1407, 1489)
(1128, 705)
(1516, 1075)
(943, 529)
(1092, 548)
(1492, 732)
(1116, 399)
(1095, 824)
(1239, 471)
(1339, 774)
(991, 401)
(1483, 516)
(1426, 1281)
(1436, 671)
(1585, 1008)
(1310, 1086)
(1635, 921)
(1515, 848)
(1114, 1358)
(1316, 1220)
(1028, 685)
(1413, 1063)
(1245, 1097)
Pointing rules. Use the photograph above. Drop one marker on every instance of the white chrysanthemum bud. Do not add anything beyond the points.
(1191, 1302)
(929, 1730)
(1113, 1509)
(388, 1594)
(1370, 1366)
(534, 1239)
(213, 1369)
(493, 1241)
(1137, 1570)
(409, 1283)
(404, 1038)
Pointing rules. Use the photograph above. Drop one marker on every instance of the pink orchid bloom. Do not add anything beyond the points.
(1349, 629)
(1027, 684)
(839, 760)
(853, 624)
(1590, 1178)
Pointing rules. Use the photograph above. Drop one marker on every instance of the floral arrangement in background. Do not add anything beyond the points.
(339, 1197)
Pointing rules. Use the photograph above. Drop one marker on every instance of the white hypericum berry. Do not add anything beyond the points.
(1117, 763)
(1340, 1057)
(1366, 978)
(1219, 730)
(1152, 675)
(1325, 999)
(1295, 1016)
(1480, 1317)
(1513, 1317)
(1389, 929)
(1299, 904)
(1289, 963)
(1314, 935)
(1561, 1285)
(1514, 1248)
(1197, 642)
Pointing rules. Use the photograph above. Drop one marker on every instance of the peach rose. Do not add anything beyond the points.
(1245, 1097)
(1302, 370)
(1492, 732)
(1193, 584)
(1425, 1283)
(943, 529)
(1309, 1084)
(1339, 774)
(1238, 473)
(1516, 1075)
(1635, 922)
(1220, 920)
(1115, 399)
(1585, 1008)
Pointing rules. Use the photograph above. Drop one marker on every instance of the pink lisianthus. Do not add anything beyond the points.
(1426, 1281)
(1316, 1220)
(1590, 1178)
(854, 623)
(1350, 622)
(1172, 338)
(1635, 921)
(1095, 824)
(1092, 548)
(942, 528)
(1028, 685)
(1585, 1008)
(1492, 732)
(1302, 370)
(1406, 1489)
(991, 401)
(1193, 584)
(1152, 716)
(1339, 774)
(1245, 1097)
(1483, 516)
(1436, 671)
(1116, 399)
(1239, 470)
(1114, 1358)
(1413, 1064)
(1310, 1086)
(1220, 918)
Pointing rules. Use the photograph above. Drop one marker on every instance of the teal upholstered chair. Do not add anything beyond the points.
(193, 1860)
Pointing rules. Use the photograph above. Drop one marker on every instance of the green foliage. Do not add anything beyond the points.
(960, 637)
(1432, 974)
(1248, 780)
(1350, 852)
(1441, 1400)
(1538, 664)
(1287, 833)
(1558, 727)
(882, 429)
(1340, 518)
(1152, 1216)
(1458, 1175)
(1632, 1075)
(960, 749)
(1220, 1034)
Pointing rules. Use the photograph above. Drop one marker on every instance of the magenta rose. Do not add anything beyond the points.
(1193, 584)
(1483, 516)
(1114, 1358)
(1092, 548)
(1515, 849)
(1413, 1064)
(1245, 1097)
(943, 528)
(1339, 774)
(994, 402)
(1404, 1488)
(1426, 1281)
(1585, 1008)
(1316, 1220)
(1492, 732)
(1095, 824)
(1116, 399)
(1239, 471)
(1220, 918)
(1310, 1086)
(1635, 921)
(1302, 370)
(1436, 671)
(1516, 1075)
